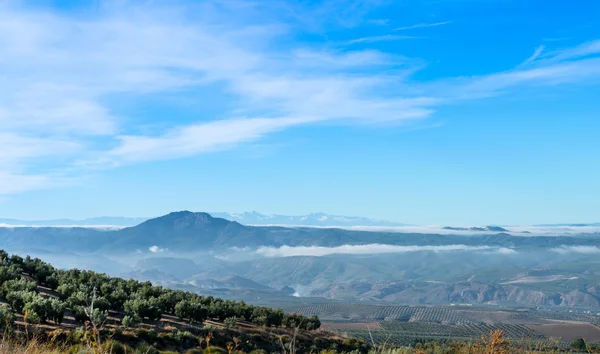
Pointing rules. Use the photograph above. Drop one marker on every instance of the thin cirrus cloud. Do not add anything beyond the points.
(383, 38)
(318, 251)
(422, 25)
(63, 77)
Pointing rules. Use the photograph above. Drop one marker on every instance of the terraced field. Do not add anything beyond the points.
(402, 333)
(459, 315)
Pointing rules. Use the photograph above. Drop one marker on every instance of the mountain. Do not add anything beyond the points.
(185, 231)
(246, 218)
(315, 219)
(91, 222)
(229, 282)
(226, 257)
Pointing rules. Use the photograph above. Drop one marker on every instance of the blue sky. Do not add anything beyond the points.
(426, 112)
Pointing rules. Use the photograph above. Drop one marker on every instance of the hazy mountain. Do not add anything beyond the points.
(315, 219)
(186, 231)
(184, 248)
(246, 218)
(99, 221)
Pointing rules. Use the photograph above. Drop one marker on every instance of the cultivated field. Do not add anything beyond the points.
(408, 325)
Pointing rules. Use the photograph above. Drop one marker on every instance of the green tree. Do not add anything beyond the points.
(578, 345)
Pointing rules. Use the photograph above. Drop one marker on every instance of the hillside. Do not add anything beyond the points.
(52, 303)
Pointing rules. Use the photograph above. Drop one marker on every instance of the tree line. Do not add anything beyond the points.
(89, 296)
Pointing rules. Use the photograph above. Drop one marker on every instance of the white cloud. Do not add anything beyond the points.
(198, 138)
(383, 38)
(156, 249)
(422, 25)
(317, 251)
(504, 250)
(534, 56)
(62, 77)
(577, 249)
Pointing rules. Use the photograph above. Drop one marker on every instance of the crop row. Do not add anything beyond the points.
(412, 338)
(473, 330)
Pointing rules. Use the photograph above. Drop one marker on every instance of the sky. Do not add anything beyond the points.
(441, 112)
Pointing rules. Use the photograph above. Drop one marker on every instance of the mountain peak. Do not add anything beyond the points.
(182, 220)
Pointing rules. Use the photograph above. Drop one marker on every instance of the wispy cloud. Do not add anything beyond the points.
(422, 25)
(63, 80)
(316, 251)
(379, 21)
(194, 139)
(534, 56)
(556, 39)
(384, 38)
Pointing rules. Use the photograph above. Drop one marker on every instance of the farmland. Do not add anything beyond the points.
(457, 315)
(408, 325)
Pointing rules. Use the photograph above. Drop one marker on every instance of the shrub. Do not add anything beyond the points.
(230, 322)
(194, 351)
(113, 347)
(214, 350)
(578, 345)
(130, 321)
(7, 317)
(145, 348)
(258, 351)
(32, 317)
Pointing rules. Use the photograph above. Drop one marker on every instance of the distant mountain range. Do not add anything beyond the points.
(185, 231)
(246, 218)
(259, 219)
(212, 255)
(314, 219)
(99, 221)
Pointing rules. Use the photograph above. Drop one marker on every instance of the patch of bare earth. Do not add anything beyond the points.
(570, 331)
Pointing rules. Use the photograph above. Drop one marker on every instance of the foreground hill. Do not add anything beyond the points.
(76, 307)
(45, 310)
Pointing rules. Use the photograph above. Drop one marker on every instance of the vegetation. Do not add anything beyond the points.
(91, 295)
(99, 307)
(46, 310)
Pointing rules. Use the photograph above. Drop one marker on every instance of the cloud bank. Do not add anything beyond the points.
(577, 249)
(318, 251)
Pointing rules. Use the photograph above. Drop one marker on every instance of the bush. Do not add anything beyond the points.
(214, 350)
(99, 316)
(32, 317)
(113, 347)
(130, 321)
(578, 345)
(145, 348)
(258, 351)
(183, 337)
(194, 351)
(7, 317)
(230, 322)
